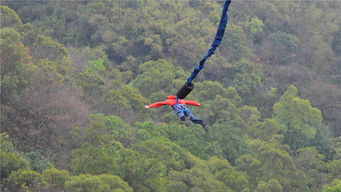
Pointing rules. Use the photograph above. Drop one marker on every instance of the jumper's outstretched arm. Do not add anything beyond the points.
(189, 102)
(157, 104)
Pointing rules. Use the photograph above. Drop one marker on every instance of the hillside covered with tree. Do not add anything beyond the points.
(75, 76)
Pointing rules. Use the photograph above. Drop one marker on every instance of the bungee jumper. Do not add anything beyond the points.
(177, 101)
(180, 109)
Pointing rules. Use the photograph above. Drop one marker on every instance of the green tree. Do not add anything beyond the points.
(271, 186)
(167, 152)
(334, 187)
(11, 161)
(334, 168)
(228, 140)
(190, 138)
(208, 90)
(37, 161)
(100, 183)
(156, 76)
(99, 152)
(6, 143)
(254, 28)
(235, 43)
(227, 131)
(309, 158)
(251, 116)
(25, 178)
(301, 121)
(46, 48)
(232, 94)
(142, 173)
(221, 109)
(283, 47)
(92, 83)
(337, 148)
(97, 64)
(9, 17)
(102, 129)
(246, 77)
(126, 96)
(314, 166)
(270, 160)
(250, 165)
(15, 65)
(323, 96)
(102, 154)
(225, 173)
(197, 178)
(267, 129)
(128, 164)
(55, 178)
(96, 159)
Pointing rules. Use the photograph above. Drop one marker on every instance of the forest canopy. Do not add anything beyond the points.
(75, 76)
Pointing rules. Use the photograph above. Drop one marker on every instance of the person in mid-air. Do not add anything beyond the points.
(180, 109)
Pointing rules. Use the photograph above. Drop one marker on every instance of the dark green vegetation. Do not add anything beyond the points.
(76, 75)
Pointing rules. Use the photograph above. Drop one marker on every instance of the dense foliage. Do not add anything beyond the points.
(75, 76)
